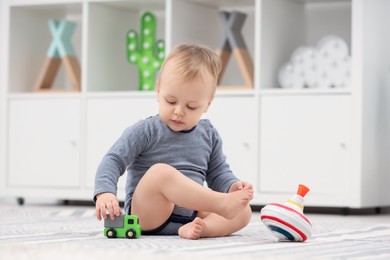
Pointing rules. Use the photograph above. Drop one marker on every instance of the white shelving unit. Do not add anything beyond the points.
(333, 140)
(2, 103)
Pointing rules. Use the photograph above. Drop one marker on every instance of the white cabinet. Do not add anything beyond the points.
(306, 138)
(68, 132)
(44, 139)
(336, 141)
(234, 119)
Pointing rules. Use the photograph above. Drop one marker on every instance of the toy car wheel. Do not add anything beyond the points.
(111, 233)
(131, 233)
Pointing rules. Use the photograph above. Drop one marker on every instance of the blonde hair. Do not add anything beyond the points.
(191, 60)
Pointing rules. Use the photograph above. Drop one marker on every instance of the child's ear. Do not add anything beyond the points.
(157, 89)
(207, 108)
(211, 100)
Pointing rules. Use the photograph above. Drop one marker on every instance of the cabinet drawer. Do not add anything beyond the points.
(235, 120)
(43, 142)
(305, 139)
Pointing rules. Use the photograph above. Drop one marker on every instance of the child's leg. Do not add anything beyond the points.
(214, 225)
(163, 186)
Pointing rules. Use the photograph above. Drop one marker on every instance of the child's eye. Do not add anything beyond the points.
(170, 102)
(191, 108)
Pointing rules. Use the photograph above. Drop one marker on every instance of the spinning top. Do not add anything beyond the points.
(286, 221)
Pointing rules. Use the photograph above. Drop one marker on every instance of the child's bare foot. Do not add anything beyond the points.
(192, 230)
(235, 201)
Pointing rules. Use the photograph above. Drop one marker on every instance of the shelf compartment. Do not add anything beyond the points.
(108, 24)
(187, 26)
(30, 38)
(289, 24)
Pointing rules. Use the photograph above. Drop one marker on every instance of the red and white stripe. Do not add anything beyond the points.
(287, 219)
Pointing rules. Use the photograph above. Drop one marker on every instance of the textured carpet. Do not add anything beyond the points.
(72, 232)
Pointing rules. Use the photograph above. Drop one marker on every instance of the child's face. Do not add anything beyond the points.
(182, 103)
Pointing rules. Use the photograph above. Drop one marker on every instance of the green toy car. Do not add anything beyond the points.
(122, 226)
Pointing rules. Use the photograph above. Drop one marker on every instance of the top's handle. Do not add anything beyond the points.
(302, 190)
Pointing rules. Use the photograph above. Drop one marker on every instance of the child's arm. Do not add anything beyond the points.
(113, 165)
(107, 201)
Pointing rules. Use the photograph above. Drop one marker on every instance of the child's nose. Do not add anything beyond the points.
(179, 111)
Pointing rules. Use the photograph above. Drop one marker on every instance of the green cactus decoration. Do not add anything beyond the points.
(147, 54)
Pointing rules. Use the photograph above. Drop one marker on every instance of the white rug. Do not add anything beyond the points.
(72, 232)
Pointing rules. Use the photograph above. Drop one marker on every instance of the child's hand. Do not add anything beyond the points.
(239, 185)
(107, 201)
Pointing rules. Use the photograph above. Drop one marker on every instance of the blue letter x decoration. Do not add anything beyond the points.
(61, 32)
(60, 50)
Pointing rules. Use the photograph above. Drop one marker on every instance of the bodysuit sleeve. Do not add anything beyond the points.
(219, 176)
(122, 154)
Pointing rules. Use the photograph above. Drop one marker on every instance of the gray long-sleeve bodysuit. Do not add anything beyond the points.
(196, 153)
